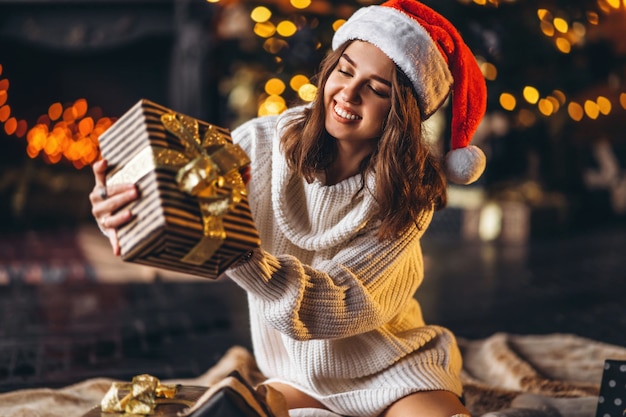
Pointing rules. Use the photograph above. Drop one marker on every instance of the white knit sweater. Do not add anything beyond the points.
(332, 309)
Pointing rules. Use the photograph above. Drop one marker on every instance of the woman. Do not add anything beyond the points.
(341, 192)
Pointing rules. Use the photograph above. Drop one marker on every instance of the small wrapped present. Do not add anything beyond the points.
(145, 395)
(612, 397)
(232, 396)
(192, 215)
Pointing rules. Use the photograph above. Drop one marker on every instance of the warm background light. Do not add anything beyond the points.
(300, 4)
(69, 131)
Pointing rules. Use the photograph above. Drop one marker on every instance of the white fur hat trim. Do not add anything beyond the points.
(407, 44)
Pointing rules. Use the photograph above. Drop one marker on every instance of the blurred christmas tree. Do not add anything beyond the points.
(555, 74)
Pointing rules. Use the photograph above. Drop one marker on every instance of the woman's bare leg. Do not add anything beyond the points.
(427, 404)
(296, 398)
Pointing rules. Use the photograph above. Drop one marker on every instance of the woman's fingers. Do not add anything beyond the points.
(107, 203)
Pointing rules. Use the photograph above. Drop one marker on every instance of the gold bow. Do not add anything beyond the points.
(210, 173)
(208, 168)
(139, 397)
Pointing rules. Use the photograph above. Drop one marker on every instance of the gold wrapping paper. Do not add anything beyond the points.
(140, 397)
(193, 215)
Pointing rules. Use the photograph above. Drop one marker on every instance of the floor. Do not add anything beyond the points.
(58, 327)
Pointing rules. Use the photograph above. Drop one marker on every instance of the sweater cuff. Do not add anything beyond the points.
(253, 256)
(253, 271)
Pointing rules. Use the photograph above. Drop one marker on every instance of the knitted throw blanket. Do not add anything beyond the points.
(500, 373)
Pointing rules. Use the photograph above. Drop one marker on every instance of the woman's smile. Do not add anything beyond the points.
(345, 114)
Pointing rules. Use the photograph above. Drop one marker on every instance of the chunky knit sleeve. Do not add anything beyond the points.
(363, 286)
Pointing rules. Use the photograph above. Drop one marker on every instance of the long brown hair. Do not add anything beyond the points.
(408, 177)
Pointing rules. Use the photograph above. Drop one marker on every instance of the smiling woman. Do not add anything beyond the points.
(357, 99)
(341, 192)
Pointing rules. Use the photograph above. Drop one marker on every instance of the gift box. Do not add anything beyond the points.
(233, 396)
(192, 215)
(612, 398)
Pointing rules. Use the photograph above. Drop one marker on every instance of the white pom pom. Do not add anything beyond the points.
(465, 165)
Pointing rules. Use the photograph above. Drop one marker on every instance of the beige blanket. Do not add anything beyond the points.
(501, 373)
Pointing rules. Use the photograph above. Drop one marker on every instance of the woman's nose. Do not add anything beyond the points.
(350, 92)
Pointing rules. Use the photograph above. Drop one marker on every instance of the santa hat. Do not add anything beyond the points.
(431, 52)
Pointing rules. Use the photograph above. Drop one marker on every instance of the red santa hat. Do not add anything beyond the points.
(433, 55)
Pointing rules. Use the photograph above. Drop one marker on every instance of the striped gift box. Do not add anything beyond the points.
(168, 222)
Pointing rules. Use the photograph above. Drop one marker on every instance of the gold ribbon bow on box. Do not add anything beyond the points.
(208, 168)
(139, 397)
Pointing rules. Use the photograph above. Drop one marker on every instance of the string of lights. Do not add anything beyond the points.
(70, 131)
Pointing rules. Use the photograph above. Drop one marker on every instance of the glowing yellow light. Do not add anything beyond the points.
(547, 28)
(32, 152)
(490, 221)
(274, 45)
(591, 109)
(593, 18)
(286, 28)
(69, 114)
(274, 86)
(338, 23)
(307, 92)
(556, 104)
(85, 126)
(265, 30)
(604, 105)
(298, 81)
(563, 45)
(561, 25)
(579, 29)
(480, 2)
(622, 100)
(575, 111)
(300, 4)
(72, 152)
(55, 138)
(544, 14)
(614, 3)
(489, 71)
(560, 96)
(260, 14)
(545, 107)
(531, 94)
(102, 125)
(212, 1)
(36, 136)
(272, 105)
(508, 101)
(54, 158)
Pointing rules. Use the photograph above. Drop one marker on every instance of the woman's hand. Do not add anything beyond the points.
(107, 201)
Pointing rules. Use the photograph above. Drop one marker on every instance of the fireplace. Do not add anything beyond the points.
(110, 53)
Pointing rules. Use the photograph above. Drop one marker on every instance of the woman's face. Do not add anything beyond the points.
(357, 94)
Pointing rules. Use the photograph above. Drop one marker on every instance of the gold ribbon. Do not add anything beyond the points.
(140, 396)
(208, 168)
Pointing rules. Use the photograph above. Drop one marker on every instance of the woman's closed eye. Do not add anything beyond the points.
(376, 90)
(379, 93)
(344, 72)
